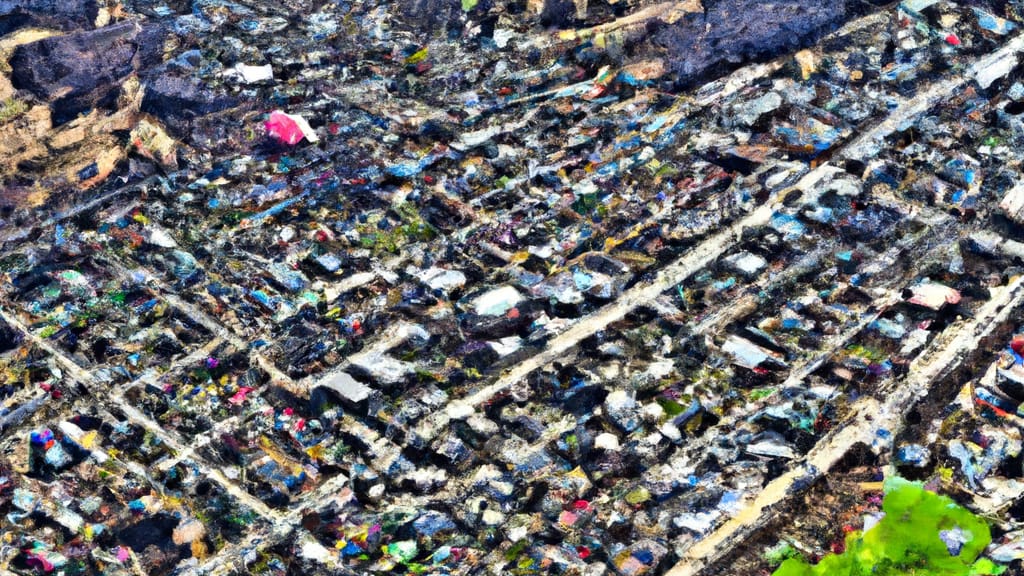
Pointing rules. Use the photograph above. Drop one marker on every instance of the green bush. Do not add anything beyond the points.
(909, 540)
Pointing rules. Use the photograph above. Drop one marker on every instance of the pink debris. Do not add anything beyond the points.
(284, 128)
(239, 396)
(39, 560)
(289, 128)
(952, 40)
(122, 554)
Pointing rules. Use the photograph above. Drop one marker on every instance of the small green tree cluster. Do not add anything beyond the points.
(922, 534)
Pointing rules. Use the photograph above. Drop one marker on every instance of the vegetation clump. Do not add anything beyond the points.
(11, 108)
(921, 534)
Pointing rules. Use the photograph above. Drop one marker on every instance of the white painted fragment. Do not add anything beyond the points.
(506, 346)
(497, 301)
(159, 237)
(315, 551)
(747, 263)
(442, 279)
(989, 71)
(771, 449)
(607, 441)
(347, 387)
(384, 368)
(1013, 203)
(747, 354)
(251, 74)
(933, 295)
(699, 522)
(460, 410)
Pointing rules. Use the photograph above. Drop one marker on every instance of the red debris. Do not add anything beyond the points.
(995, 409)
(1017, 344)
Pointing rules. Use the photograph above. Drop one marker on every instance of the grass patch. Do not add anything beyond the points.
(11, 108)
(922, 533)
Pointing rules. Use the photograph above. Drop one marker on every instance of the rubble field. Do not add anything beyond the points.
(609, 287)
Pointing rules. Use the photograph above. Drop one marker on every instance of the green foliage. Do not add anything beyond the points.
(10, 109)
(907, 540)
(780, 553)
(670, 406)
(761, 393)
(585, 203)
(412, 229)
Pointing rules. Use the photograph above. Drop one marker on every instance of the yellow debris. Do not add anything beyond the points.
(807, 62)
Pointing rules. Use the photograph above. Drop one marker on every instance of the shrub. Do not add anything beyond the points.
(922, 533)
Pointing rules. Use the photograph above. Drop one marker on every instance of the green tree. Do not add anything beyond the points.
(922, 534)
